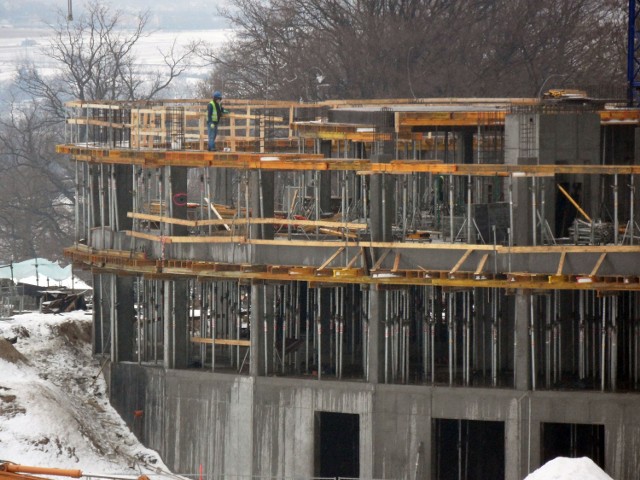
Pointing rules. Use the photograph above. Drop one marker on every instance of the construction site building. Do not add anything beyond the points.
(397, 289)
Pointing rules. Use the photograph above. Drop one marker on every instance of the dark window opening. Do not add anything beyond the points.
(572, 440)
(337, 445)
(468, 449)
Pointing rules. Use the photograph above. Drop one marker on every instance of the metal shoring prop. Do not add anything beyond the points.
(319, 329)
(341, 337)
(364, 315)
(274, 326)
(265, 327)
(468, 320)
(425, 335)
(285, 317)
(613, 343)
(102, 202)
(88, 199)
(451, 208)
(296, 297)
(581, 336)
(594, 334)
(548, 347)
(156, 319)
(603, 343)
(469, 200)
(405, 180)
(510, 220)
(355, 305)
(393, 335)
(534, 211)
(450, 335)
(215, 309)
(309, 309)
(407, 338)
(633, 313)
(236, 318)
(316, 200)
(76, 211)
(532, 337)
(559, 335)
(494, 338)
(432, 335)
(456, 320)
(386, 337)
(632, 192)
(615, 209)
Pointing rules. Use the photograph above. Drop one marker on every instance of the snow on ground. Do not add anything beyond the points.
(563, 468)
(54, 410)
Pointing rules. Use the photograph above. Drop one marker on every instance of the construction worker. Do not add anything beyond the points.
(215, 110)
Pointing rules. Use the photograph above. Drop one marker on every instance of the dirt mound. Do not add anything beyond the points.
(75, 332)
(9, 353)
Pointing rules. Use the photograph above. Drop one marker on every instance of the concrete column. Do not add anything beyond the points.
(522, 359)
(467, 146)
(261, 188)
(261, 362)
(381, 203)
(124, 198)
(176, 178)
(101, 330)
(125, 315)
(522, 230)
(377, 306)
(94, 186)
(325, 179)
(176, 338)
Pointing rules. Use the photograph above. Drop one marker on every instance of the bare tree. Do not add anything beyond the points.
(419, 48)
(94, 59)
(36, 197)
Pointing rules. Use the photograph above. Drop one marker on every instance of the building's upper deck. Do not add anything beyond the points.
(456, 213)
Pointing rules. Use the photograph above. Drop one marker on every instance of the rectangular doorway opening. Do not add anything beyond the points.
(468, 449)
(337, 445)
(572, 440)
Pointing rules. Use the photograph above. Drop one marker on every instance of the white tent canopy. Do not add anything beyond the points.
(42, 272)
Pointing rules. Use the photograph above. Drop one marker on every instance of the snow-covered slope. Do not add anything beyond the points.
(54, 410)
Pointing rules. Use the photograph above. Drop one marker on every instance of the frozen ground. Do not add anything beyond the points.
(54, 410)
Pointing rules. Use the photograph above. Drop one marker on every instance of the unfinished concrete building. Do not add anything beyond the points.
(431, 289)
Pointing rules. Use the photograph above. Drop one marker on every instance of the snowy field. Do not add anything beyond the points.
(54, 410)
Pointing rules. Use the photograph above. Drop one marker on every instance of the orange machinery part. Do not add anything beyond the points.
(14, 468)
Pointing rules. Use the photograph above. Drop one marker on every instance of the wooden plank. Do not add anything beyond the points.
(396, 262)
(574, 203)
(331, 258)
(481, 264)
(561, 263)
(597, 265)
(461, 261)
(355, 257)
(381, 259)
(221, 341)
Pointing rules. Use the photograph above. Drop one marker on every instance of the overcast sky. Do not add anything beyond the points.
(165, 14)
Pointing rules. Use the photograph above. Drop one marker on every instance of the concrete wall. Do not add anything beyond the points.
(264, 426)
